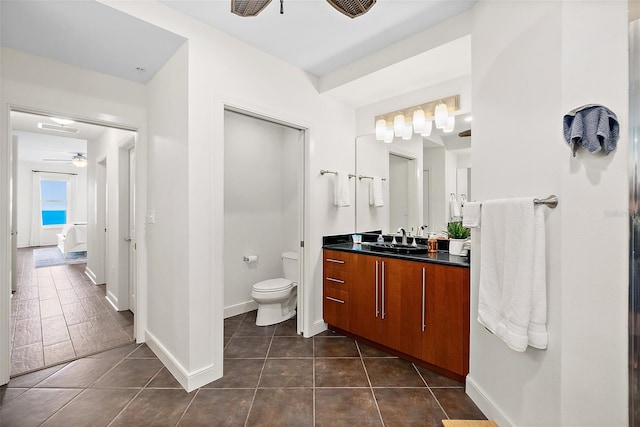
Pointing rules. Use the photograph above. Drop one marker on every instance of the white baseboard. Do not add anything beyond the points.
(189, 381)
(316, 328)
(91, 275)
(485, 404)
(243, 307)
(112, 300)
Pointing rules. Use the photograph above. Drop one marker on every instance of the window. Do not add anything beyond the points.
(53, 202)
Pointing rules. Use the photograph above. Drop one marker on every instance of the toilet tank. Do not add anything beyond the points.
(290, 264)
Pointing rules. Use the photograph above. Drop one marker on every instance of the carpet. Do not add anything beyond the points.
(48, 257)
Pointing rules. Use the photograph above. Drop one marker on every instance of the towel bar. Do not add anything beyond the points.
(368, 177)
(323, 171)
(551, 201)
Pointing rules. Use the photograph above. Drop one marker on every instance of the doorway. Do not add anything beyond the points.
(58, 311)
(402, 192)
(263, 206)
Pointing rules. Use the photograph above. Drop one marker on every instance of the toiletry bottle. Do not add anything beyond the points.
(433, 244)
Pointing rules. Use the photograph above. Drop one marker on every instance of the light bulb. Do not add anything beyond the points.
(442, 114)
(451, 122)
(408, 132)
(388, 136)
(428, 126)
(381, 128)
(398, 125)
(418, 120)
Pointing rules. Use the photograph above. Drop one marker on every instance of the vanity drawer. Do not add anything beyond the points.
(336, 260)
(335, 308)
(336, 279)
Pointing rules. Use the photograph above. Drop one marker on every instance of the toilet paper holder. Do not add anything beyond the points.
(250, 258)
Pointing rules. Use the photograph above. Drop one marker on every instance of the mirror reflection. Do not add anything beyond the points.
(421, 180)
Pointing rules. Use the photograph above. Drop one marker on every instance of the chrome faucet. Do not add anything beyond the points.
(404, 235)
(421, 230)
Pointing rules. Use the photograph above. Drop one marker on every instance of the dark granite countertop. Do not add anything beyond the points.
(338, 243)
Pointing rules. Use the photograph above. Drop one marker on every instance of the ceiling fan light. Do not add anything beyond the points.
(418, 120)
(441, 114)
(248, 7)
(381, 129)
(352, 8)
(428, 127)
(451, 123)
(398, 125)
(79, 161)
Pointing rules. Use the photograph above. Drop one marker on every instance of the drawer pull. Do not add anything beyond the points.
(337, 261)
(335, 300)
(331, 279)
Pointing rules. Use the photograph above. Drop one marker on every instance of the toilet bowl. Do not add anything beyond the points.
(277, 298)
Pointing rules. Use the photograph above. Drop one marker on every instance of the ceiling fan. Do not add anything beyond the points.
(79, 160)
(350, 8)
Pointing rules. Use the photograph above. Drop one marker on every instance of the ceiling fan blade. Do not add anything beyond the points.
(248, 7)
(465, 133)
(352, 8)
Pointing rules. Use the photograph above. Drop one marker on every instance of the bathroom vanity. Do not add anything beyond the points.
(415, 306)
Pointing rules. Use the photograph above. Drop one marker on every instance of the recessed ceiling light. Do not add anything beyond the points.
(63, 122)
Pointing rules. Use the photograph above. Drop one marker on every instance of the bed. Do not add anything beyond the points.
(73, 238)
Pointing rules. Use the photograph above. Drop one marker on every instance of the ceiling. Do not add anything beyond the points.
(314, 36)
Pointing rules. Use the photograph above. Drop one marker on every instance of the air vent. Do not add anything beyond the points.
(58, 128)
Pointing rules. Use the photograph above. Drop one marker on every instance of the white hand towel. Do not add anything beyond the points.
(471, 214)
(512, 295)
(375, 192)
(454, 208)
(341, 189)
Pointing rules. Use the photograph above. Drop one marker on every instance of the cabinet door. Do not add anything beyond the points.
(364, 313)
(445, 340)
(401, 306)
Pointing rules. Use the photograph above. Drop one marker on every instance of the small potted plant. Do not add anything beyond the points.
(458, 235)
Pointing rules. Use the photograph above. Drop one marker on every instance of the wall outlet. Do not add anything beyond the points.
(151, 217)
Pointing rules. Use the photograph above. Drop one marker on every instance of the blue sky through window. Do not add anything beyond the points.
(53, 202)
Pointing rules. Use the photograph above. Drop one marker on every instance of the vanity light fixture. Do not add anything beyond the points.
(419, 117)
(451, 123)
(398, 125)
(388, 136)
(408, 132)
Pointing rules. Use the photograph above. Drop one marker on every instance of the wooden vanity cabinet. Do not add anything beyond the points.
(419, 309)
(336, 286)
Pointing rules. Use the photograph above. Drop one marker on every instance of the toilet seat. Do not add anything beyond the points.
(273, 285)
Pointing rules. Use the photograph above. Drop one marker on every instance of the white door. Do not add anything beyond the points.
(14, 215)
(132, 230)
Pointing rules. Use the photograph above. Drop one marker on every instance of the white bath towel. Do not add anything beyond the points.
(341, 189)
(512, 295)
(471, 214)
(375, 192)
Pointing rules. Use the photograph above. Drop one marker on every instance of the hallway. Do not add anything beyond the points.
(58, 314)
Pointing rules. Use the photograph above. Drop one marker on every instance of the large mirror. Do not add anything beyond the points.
(419, 178)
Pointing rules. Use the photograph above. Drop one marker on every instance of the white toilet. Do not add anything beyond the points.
(277, 298)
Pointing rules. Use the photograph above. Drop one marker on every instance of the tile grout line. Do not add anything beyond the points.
(188, 406)
(430, 391)
(373, 393)
(246, 421)
(313, 379)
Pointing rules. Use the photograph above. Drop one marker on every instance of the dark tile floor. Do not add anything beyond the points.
(272, 377)
(58, 314)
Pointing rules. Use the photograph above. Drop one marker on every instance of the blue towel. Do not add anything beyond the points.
(593, 126)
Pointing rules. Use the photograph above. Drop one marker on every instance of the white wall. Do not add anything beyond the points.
(108, 150)
(434, 161)
(78, 200)
(532, 62)
(261, 204)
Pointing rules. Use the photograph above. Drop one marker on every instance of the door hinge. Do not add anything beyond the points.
(302, 243)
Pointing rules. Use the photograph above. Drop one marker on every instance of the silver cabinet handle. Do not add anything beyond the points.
(383, 291)
(127, 239)
(377, 311)
(335, 300)
(331, 279)
(424, 295)
(337, 261)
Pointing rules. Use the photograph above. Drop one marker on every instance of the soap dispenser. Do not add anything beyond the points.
(380, 239)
